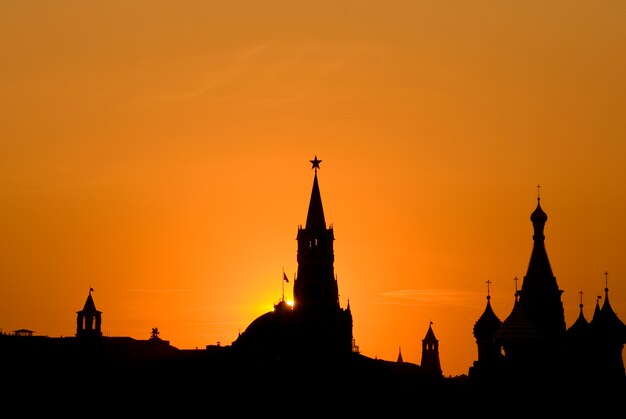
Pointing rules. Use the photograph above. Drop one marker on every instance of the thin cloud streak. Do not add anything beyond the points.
(239, 62)
(63, 186)
(170, 290)
(242, 66)
(435, 297)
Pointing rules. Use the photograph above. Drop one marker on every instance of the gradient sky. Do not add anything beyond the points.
(158, 151)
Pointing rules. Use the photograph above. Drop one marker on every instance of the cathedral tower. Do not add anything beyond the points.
(540, 296)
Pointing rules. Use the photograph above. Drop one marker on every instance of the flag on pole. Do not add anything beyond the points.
(285, 277)
(90, 289)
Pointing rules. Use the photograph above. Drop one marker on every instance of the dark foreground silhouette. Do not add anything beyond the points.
(301, 361)
(148, 377)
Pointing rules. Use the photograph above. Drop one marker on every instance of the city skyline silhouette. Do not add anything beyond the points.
(531, 343)
(313, 340)
(159, 154)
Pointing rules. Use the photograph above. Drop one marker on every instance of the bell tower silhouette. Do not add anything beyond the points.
(89, 320)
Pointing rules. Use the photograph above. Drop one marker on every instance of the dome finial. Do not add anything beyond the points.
(581, 299)
(538, 216)
(488, 296)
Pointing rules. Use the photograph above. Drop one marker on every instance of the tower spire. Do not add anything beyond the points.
(315, 218)
(315, 288)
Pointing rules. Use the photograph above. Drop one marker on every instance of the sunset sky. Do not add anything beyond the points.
(158, 152)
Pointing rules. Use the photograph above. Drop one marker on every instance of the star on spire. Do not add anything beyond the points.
(316, 163)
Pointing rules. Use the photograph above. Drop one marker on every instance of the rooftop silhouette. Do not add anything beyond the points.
(307, 351)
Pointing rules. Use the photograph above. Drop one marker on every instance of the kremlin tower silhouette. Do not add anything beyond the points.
(430, 353)
(89, 319)
(316, 324)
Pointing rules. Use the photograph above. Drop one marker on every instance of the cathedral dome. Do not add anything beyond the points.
(516, 327)
(488, 323)
(538, 215)
(580, 328)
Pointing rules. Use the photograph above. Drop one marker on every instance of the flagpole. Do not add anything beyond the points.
(282, 281)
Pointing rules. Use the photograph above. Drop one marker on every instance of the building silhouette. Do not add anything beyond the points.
(307, 354)
(316, 325)
(89, 319)
(533, 343)
(430, 353)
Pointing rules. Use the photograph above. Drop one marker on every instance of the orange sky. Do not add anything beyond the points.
(159, 153)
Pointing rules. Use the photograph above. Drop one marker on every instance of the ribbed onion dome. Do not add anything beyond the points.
(516, 327)
(487, 324)
(538, 216)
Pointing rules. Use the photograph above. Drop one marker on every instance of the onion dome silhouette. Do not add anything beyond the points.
(516, 328)
(580, 328)
(606, 322)
(539, 273)
(538, 215)
(488, 323)
(608, 334)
